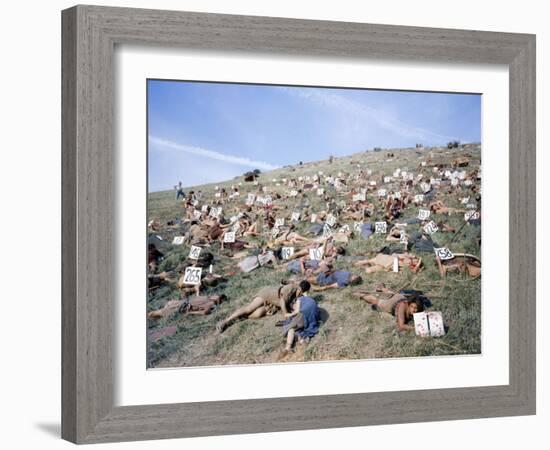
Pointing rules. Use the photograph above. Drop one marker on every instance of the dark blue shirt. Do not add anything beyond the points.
(339, 276)
(310, 313)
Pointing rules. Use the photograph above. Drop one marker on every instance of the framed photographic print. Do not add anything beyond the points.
(277, 224)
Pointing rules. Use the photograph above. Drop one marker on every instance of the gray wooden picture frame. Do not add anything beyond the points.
(90, 34)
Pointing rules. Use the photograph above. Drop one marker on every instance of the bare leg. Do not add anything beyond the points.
(369, 298)
(290, 339)
(373, 269)
(299, 254)
(258, 313)
(363, 262)
(297, 238)
(241, 312)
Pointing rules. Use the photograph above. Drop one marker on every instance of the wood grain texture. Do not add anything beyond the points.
(89, 36)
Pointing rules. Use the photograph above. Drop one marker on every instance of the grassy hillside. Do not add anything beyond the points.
(353, 330)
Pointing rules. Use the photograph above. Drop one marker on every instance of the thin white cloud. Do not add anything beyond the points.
(165, 144)
(364, 112)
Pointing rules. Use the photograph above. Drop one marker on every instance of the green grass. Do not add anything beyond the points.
(353, 330)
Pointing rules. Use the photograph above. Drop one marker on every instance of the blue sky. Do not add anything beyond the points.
(208, 132)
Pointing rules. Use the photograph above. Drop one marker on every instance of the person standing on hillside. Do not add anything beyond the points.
(179, 191)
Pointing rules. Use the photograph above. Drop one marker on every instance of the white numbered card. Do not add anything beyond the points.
(331, 220)
(395, 264)
(250, 199)
(295, 216)
(397, 195)
(454, 182)
(358, 226)
(423, 214)
(195, 252)
(471, 215)
(229, 237)
(218, 194)
(215, 212)
(327, 231)
(204, 208)
(358, 198)
(178, 240)
(443, 253)
(467, 182)
(287, 252)
(429, 324)
(293, 193)
(403, 237)
(372, 183)
(419, 198)
(279, 222)
(471, 206)
(465, 200)
(192, 275)
(268, 200)
(320, 191)
(380, 227)
(197, 214)
(344, 229)
(381, 192)
(316, 254)
(425, 187)
(423, 163)
(313, 218)
(430, 227)
(387, 179)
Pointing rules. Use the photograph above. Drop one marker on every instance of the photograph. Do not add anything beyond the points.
(292, 224)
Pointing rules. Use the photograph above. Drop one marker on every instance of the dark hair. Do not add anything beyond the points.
(416, 297)
(305, 286)
(419, 303)
(340, 250)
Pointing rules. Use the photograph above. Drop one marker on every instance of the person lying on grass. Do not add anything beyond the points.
(396, 304)
(438, 207)
(266, 302)
(303, 320)
(305, 265)
(286, 236)
(383, 262)
(332, 279)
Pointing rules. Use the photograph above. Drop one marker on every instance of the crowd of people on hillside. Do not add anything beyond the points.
(302, 225)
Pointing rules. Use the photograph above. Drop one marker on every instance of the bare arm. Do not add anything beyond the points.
(295, 309)
(401, 321)
(324, 288)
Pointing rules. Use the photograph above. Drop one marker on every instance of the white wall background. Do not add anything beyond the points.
(31, 209)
